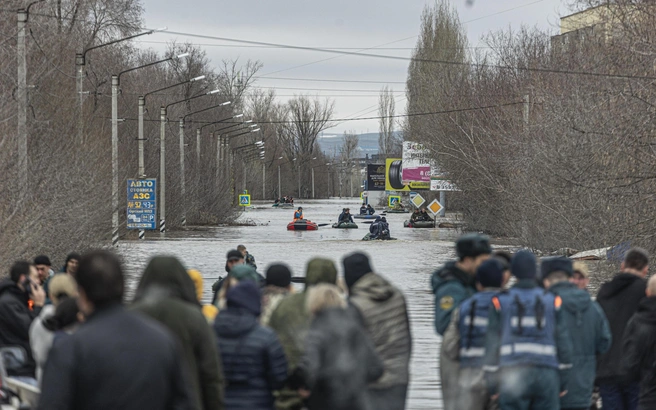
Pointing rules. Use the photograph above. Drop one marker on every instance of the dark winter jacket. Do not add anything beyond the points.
(15, 321)
(450, 286)
(639, 352)
(253, 360)
(590, 335)
(117, 360)
(619, 300)
(166, 293)
(340, 361)
(383, 309)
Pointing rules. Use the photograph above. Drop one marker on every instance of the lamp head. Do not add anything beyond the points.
(197, 78)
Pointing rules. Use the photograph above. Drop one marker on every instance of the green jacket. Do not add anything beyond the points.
(167, 294)
(450, 286)
(291, 322)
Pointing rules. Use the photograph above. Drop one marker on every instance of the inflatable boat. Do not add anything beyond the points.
(397, 211)
(283, 206)
(345, 225)
(419, 224)
(365, 217)
(368, 237)
(302, 225)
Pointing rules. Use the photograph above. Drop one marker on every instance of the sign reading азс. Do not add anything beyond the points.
(142, 204)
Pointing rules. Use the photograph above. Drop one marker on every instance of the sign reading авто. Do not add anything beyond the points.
(416, 163)
(142, 204)
(375, 177)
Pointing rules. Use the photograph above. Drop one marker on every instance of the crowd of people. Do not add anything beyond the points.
(367, 209)
(543, 342)
(341, 343)
(516, 334)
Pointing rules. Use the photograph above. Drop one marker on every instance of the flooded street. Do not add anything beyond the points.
(406, 262)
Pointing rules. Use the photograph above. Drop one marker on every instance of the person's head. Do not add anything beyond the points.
(197, 278)
(324, 296)
(581, 276)
(245, 295)
(244, 272)
(378, 218)
(300, 209)
(356, 265)
(242, 249)
(67, 314)
(320, 270)
(472, 250)
(364, 204)
(21, 273)
(555, 269)
(524, 265)
(651, 286)
(43, 265)
(72, 262)
(62, 287)
(491, 275)
(636, 262)
(383, 219)
(166, 275)
(279, 275)
(347, 210)
(100, 281)
(233, 259)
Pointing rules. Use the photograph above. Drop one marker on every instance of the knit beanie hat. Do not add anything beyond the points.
(245, 295)
(61, 285)
(555, 264)
(278, 275)
(245, 273)
(42, 260)
(356, 266)
(490, 273)
(473, 245)
(524, 265)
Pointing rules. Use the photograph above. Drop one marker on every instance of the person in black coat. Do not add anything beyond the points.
(639, 349)
(254, 362)
(117, 360)
(620, 299)
(16, 316)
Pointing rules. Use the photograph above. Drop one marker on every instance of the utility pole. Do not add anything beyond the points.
(79, 81)
(313, 183)
(162, 171)
(299, 180)
(142, 166)
(183, 182)
(114, 160)
(279, 184)
(263, 180)
(527, 107)
(22, 104)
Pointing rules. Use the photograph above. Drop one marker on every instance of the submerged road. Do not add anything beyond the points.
(406, 262)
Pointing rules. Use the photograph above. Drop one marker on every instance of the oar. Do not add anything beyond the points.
(298, 279)
(323, 224)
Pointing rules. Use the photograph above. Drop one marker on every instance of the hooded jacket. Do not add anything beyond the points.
(450, 286)
(639, 352)
(383, 310)
(15, 321)
(619, 299)
(340, 361)
(590, 335)
(167, 294)
(253, 359)
(291, 321)
(271, 298)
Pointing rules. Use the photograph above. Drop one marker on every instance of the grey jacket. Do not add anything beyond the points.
(383, 310)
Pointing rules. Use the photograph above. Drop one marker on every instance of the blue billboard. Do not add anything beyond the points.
(142, 204)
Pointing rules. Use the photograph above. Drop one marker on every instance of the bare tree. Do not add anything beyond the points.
(386, 111)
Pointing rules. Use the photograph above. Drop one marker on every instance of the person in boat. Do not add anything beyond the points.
(298, 214)
(398, 206)
(416, 216)
(277, 201)
(384, 229)
(346, 217)
(370, 210)
(423, 216)
(291, 200)
(363, 209)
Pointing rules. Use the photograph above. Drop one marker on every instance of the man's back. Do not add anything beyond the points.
(619, 300)
(116, 361)
(15, 321)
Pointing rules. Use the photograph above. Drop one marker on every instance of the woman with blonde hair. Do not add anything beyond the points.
(340, 360)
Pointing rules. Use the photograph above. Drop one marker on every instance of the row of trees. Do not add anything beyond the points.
(550, 138)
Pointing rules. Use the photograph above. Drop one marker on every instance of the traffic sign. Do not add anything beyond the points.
(418, 200)
(393, 200)
(435, 207)
(142, 204)
(244, 200)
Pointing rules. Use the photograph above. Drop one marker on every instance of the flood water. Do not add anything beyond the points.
(406, 262)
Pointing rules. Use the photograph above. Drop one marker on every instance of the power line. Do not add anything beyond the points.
(327, 89)
(328, 80)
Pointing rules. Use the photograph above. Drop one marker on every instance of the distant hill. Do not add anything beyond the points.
(368, 144)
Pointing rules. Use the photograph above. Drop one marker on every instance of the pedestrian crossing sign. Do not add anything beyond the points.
(244, 200)
(435, 207)
(393, 200)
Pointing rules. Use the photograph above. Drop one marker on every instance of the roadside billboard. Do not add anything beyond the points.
(416, 163)
(376, 177)
(394, 180)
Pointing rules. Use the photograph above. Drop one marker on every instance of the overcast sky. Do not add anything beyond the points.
(348, 24)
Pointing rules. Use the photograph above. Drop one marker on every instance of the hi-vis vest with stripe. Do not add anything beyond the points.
(472, 327)
(528, 323)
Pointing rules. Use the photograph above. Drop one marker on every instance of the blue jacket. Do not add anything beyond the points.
(472, 327)
(254, 362)
(450, 286)
(590, 335)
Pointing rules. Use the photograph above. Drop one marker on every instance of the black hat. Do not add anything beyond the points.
(72, 256)
(42, 260)
(490, 273)
(555, 264)
(524, 265)
(473, 245)
(234, 255)
(278, 275)
(356, 266)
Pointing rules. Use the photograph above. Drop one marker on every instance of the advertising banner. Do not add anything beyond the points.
(142, 204)
(394, 181)
(416, 163)
(375, 177)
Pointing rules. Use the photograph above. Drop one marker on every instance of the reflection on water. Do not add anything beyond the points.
(407, 262)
